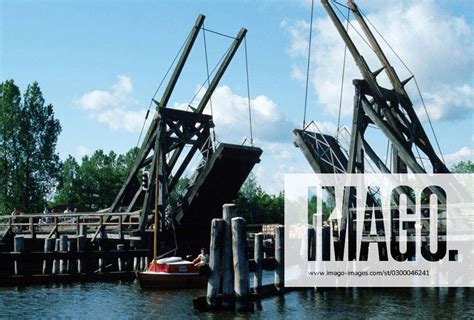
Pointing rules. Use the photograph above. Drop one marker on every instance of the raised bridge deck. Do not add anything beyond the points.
(217, 184)
(321, 151)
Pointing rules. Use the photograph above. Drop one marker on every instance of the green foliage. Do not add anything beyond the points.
(178, 191)
(328, 206)
(96, 181)
(256, 206)
(10, 100)
(463, 167)
(29, 133)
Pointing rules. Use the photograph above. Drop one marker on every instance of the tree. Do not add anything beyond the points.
(463, 167)
(69, 183)
(255, 205)
(39, 163)
(29, 161)
(178, 191)
(96, 181)
(10, 100)
(328, 205)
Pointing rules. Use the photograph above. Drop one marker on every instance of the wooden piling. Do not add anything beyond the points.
(258, 258)
(120, 228)
(103, 233)
(135, 263)
(228, 212)
(81, 247)
(215, 261)
(101, 261)
(311, 244)
(32, 228)
(19, 246)
(78, 225)
(72, 247)
(55, 268)
(317, 246)
(83, 230)
(48, 247)
(241, 268)
(56, 227)
(326, 243)
(63, 246)
(120, 266)
(279, 258)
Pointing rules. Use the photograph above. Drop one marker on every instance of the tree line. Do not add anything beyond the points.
(92, 183)
(33, 176)
(29, 164)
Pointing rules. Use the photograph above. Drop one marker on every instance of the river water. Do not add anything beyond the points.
(127, 300)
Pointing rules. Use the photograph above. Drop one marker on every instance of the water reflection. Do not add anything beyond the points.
(127, 300)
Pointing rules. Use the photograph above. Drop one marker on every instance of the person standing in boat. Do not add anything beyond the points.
(202, 259)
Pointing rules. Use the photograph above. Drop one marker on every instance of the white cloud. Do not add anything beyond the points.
(123, 87)
(271, 131)
(326, 127)
(449, 103)
(83, 151)
(110, 106)
(231, 116)
(465, 153)
(277, 151)
(272, 178)
(297, 73)
(299, 38)
(436, 46)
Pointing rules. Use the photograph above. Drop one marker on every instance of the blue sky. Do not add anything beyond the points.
(99, 63)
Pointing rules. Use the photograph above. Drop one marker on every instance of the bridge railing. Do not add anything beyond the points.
(68, 222)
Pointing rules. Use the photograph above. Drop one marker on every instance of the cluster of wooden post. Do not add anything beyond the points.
(229, 265)
(68, 266)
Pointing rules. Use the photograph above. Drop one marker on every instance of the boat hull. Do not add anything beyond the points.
(158, 280)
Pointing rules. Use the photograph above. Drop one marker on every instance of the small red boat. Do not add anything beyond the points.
(171, 273)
